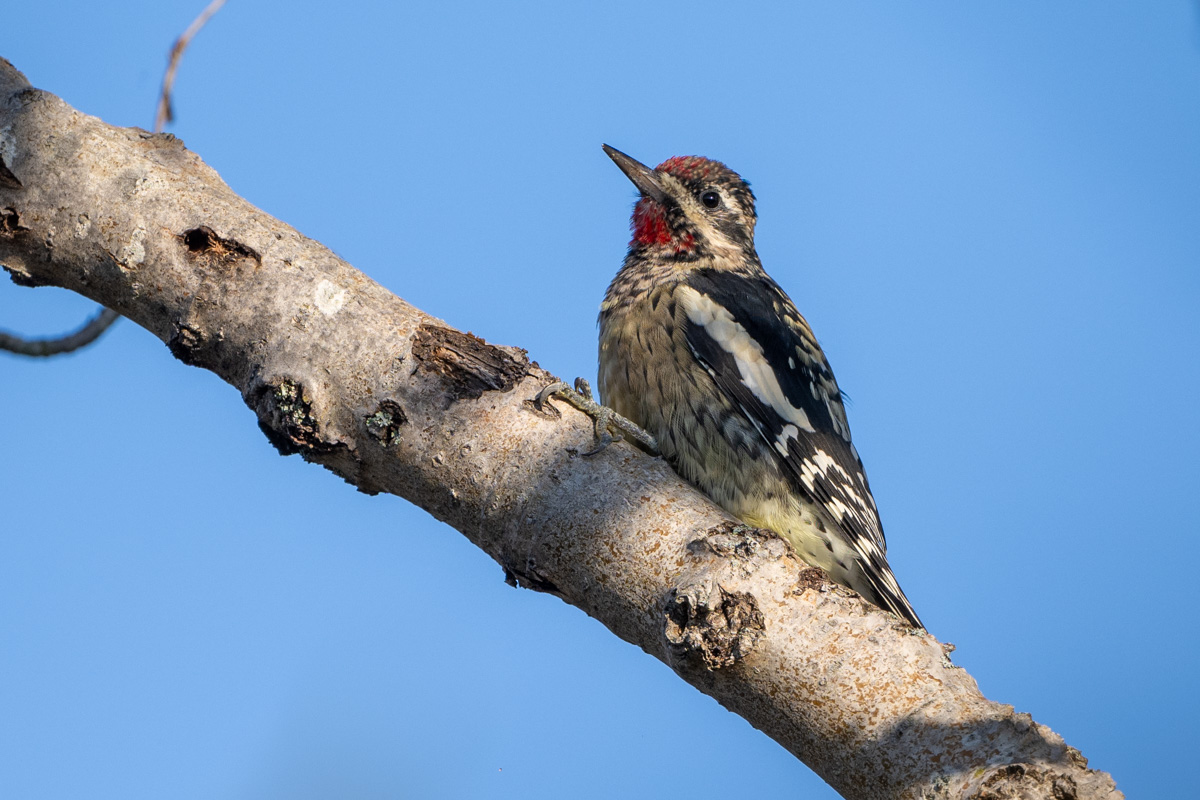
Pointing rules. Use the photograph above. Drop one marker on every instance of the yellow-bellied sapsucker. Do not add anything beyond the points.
(703, 350)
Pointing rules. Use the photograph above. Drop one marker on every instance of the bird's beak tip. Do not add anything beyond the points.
(644, 178)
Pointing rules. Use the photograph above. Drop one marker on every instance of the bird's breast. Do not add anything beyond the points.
(649, 374)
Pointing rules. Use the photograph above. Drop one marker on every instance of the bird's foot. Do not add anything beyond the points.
(605, 421)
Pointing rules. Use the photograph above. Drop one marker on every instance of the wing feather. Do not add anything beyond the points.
(763, 356)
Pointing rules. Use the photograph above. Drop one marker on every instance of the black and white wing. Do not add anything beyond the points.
(763, 356)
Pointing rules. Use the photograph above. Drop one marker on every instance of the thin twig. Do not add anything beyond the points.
(98, 324)
(90, 331)
(165, 113)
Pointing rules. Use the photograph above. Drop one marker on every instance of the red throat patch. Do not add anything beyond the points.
(650, 228)
(649, 223)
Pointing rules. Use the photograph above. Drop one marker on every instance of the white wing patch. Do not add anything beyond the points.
(821, 464)
(756, 373)
(789, 432)
(860, 507)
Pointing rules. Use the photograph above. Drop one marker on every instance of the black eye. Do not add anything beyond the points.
(710, 199)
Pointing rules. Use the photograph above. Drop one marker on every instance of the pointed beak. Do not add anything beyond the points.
(642, 176)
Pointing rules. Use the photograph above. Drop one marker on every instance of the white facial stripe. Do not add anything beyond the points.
(756, 373)
(717, 241)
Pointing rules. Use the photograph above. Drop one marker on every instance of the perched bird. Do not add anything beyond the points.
(702, 349)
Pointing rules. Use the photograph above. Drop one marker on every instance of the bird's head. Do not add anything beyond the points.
(691, 207)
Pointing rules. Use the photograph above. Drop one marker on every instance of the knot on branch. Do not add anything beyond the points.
(812, 578)
(467, 365)
(10, 223)
(530, 577)
(285, 415)
(734, 540)
(1023, 782)
(384, 425)
(710, 627)
(185, 344)
(204, 244)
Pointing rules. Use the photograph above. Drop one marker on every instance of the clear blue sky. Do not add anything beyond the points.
(989, 212)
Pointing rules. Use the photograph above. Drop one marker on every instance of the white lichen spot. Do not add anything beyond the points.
(82, 226)
(134, 253)
(330, 297)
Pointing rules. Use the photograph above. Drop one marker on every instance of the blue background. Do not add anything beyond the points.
(989, 212)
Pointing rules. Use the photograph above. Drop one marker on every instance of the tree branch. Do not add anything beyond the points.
(393, 400)
(91, 330)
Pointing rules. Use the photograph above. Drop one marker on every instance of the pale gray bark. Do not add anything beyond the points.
(393, 400)
(105, 317)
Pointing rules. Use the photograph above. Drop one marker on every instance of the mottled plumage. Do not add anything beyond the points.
(702, 349)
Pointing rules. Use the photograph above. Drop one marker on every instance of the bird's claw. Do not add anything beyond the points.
(584, 388)
(605, 421)
(539, 400)
(601, 424)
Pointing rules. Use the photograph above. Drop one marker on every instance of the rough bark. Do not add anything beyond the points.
(351, 377)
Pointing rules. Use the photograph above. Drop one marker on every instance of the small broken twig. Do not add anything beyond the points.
(165, 113)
